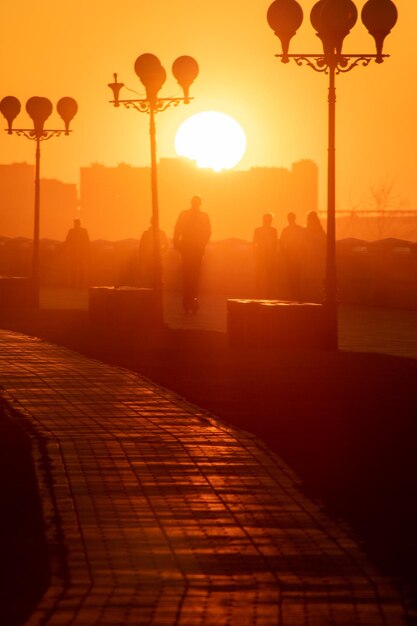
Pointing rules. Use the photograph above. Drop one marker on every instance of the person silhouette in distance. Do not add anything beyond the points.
(146, 254)
(265, 247)
(292, 246)
(191, 235)
(77, 249)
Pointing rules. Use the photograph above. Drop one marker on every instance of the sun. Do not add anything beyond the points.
(214, 140)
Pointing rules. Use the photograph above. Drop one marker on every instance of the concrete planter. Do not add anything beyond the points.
(122, 306)
(276, 324)
(16, 292)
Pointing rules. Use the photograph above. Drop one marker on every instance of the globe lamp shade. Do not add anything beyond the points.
(333, 20)
(67, 108)
(285, 17)
(151, 74)
(10, 109)
(39, 109)
(185, 70)
(379, 17)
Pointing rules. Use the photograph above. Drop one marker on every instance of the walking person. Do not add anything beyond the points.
(146, 255)
(292, 246)
(315, 258)
(191, 235)
(77, 253)
(265, 247)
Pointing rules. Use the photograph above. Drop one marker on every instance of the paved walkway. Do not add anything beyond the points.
(169, 516)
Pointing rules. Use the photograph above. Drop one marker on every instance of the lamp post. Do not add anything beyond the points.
(332, 21)
(38, 109)
(153, 75)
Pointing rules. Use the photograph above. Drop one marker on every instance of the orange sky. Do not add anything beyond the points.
(55, 49)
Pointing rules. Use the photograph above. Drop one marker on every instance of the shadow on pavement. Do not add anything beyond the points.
(24, 573)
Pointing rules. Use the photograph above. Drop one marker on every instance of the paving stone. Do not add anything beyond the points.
(170, 517)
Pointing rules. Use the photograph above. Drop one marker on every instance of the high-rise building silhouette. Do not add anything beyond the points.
(115, 201)
(58, 203)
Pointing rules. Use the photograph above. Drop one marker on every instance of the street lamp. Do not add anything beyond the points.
(153, 75)
(332, 21)
(38, 109)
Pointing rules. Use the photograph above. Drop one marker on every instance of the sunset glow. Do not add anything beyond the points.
(214, 140)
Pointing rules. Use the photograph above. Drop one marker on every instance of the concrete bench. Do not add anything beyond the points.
(275, 324)
(122, 306)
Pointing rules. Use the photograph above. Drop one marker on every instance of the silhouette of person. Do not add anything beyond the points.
(191, 235)
(292, 244)
(146, 255)
(265, 247)
(315, 256)
(77, 248)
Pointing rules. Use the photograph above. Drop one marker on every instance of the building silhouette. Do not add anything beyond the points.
(58, 203)
(116, 201)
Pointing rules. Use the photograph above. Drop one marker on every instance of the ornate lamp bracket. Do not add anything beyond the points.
(145, 106)
(347, 63)
(340, 63)
(163, 104)
(30, 133)
(318, 64)
(48, 134)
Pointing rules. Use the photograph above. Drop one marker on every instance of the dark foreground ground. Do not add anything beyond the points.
(346, 422)
(23, 553)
